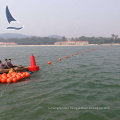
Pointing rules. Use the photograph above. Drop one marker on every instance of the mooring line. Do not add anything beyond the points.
(1, 86)
(4, 90)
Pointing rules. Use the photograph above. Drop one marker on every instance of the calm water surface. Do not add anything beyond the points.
(83, 87)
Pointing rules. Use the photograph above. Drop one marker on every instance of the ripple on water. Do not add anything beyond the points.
(87, 80)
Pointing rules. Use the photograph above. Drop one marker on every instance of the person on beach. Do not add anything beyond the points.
(3, 66)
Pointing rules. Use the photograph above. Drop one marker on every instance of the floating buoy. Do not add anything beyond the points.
(22, 76)
(27, 74)
(59, 59)
(13, 77)
(75, 54)
(3, 80)
(49, 62)
(18, 77)
(33, 66)
(9, 80)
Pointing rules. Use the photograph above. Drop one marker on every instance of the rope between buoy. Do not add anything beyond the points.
(72, 55)
(4, 90)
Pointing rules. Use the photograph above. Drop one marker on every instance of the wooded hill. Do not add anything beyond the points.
(51, 41)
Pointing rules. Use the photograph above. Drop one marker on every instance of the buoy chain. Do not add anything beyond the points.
(59, 59)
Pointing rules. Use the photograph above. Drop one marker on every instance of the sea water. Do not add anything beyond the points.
(83, 87)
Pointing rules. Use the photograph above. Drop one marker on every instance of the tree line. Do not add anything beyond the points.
(51, 41)
(33, 40)
(99, 40)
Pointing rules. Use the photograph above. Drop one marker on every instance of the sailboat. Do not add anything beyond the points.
(10, 19)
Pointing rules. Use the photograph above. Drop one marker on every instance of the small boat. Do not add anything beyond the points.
(16, 68)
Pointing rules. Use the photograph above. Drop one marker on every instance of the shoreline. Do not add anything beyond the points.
(54, 45)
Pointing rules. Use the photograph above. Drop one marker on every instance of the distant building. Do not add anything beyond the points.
(8, 43)
(71, 43)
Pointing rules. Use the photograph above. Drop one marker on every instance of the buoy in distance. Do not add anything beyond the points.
(59, 59)
(66, 56)
(49, 62)
(72, 55)
(76, 53)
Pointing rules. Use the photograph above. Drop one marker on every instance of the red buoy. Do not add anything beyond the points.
(49, 62)
(33, 66)
(72, 55)
(66, 56)
(27, 74)
(76, 53)
(59, 59)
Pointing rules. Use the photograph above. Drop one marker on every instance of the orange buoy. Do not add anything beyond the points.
(0, 78)
(49, 62)
(4, 77)
(76, 53)
(14, 79)
(66, 56)
(79, 52)
(18, 77)
(72, 55)
(27, 74)
(3, 80)
(59, 59)
(9, 75)
(4, 74)
(22, 76)
(9, 80)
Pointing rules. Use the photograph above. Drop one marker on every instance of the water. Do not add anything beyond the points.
(83, 87)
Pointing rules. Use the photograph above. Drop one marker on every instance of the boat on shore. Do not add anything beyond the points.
(16, 68)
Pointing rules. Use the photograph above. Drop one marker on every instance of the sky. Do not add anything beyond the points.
(69, 18)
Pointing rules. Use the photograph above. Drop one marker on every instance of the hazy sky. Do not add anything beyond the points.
(70, 18)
